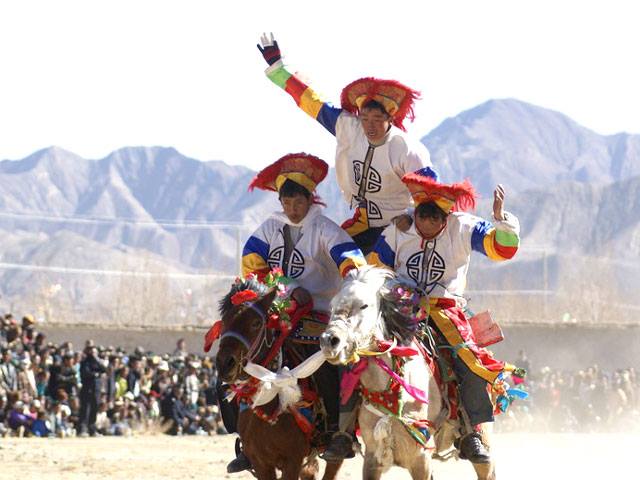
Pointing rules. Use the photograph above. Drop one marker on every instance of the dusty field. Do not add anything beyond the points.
(520, 457)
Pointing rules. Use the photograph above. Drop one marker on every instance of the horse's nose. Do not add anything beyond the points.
(227, 366)
(329, 340)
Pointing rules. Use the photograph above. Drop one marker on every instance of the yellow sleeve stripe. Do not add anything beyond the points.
(310, 103)
(251, 263)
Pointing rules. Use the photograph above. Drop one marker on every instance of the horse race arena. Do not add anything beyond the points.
(519, 457)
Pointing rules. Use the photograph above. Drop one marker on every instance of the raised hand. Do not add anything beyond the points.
(498, 203)
(269, 48)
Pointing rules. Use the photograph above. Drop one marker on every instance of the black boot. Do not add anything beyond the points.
(472, 449)
(339, 448)
(241, 462)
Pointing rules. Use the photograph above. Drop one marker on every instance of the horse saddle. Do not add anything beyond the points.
(309, 328)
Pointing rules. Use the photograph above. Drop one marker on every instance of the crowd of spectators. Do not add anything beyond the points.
(52, 390)
(56, 390)
(587, 400)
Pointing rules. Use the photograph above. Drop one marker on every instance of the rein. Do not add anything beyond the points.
(256, 346)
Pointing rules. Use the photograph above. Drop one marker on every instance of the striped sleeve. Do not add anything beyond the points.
(382, 254)
(342, 249)
(307, 99)
(347, 256)
(254, 256)
(499, 242)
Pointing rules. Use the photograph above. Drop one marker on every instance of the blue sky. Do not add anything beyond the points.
(93, 76)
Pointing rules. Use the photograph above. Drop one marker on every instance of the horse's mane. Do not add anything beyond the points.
(397, 315)
(225, 305)
(369, 275)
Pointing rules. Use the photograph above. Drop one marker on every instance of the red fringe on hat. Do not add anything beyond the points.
(266, 178)
(463, 194)
(405, 104)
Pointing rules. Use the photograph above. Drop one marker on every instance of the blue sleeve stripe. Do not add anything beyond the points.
(328, 116)
(255, 245)
(385, 253)
(477, 236)
(342, 251)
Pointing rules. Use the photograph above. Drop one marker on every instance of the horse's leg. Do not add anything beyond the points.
(485, 471)
(421, 469)
(371, 468)
(331, 470)
(264, 472)
(310, 468)
(291, 470)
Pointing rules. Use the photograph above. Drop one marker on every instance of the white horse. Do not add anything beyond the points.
(354, 333)
(354, 330)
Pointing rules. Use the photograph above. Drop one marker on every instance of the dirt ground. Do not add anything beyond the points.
(521, 457)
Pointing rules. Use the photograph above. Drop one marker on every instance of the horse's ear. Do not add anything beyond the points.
(266, 301)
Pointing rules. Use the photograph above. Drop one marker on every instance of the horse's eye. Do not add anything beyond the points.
(364, 306)
(256, 324)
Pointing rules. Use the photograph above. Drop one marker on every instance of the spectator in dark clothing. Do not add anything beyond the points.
(8, 372)
(133, 376)
(110, 387)
(12, 329)
(39, 344)
(90, 372)
(63, 377)
(173, 409)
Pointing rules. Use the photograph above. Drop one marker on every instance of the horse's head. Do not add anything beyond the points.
(244, 315)
(355, 320)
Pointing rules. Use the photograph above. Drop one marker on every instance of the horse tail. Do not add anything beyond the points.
(383, 436)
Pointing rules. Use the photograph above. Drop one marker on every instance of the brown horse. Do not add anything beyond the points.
(272, 439)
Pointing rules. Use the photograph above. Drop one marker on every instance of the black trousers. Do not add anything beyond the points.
(474, 397)
(88, 411)
(367, 239)
(473, 394)
(228, 410)
(327, 380)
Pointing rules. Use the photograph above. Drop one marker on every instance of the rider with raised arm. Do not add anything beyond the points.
(433, 256)
(312, 251)
(371, 144)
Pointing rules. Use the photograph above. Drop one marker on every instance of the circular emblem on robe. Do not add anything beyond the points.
(435, 269)
(296, 262)
(374, 180)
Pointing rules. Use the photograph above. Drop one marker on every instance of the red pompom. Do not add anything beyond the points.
(243, 296)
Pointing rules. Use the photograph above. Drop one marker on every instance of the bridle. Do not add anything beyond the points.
(361, 344)
(253, 348)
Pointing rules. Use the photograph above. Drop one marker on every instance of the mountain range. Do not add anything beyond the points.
(146, 222)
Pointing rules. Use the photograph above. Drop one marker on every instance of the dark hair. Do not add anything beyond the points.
(431, 210)
(291, 189)
(374, 105)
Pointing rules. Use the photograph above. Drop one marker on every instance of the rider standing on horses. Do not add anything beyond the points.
(371, 144)
(311, 250)
(433, 255)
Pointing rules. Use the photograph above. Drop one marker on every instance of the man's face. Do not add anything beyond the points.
(375, 124)
(296, 207)
(429, 226)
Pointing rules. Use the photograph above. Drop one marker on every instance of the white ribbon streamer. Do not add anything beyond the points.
(284, 382)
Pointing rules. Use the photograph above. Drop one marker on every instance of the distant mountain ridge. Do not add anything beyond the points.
(575, 192)
(524, 146)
